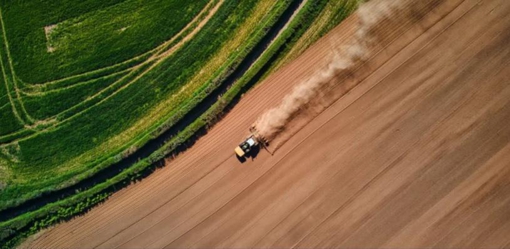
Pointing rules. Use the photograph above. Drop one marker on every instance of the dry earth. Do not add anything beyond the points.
(416, 154)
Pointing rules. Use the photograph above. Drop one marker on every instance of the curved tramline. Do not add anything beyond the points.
(199, 21)
(116, 116)
(158, 54)
(36, 127)
(37, 91)
(17, 90)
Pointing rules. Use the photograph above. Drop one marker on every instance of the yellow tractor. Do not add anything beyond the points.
(246, 146)
(251, 142)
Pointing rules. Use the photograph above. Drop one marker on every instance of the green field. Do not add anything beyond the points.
(85, 84)
(77, 125)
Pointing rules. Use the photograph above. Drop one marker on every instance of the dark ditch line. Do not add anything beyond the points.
(154, 144)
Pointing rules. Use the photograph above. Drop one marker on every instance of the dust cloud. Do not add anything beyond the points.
(273, 121)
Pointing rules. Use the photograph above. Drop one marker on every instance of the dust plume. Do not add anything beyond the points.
(370, 14)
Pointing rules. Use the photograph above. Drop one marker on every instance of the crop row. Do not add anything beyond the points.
(53, 103)
(14, 117)
(62, 100)
(90, 34)
(22, 23)
(44, 105)
(119, 67)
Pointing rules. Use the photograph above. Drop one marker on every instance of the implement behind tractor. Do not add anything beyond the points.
(251, 142)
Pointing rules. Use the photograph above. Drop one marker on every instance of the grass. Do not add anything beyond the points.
(90, 34)
(331, 15)
(53, 102)
(9, 121)
(24, 23)
(14, 118)
(44, 104)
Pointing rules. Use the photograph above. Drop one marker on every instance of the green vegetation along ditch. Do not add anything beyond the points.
(130, 105)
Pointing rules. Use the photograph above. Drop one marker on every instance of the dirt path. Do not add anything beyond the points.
(416, 155)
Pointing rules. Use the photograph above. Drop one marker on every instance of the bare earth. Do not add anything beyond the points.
(417, 154)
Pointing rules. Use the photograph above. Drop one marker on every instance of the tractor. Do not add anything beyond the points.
(254, 140)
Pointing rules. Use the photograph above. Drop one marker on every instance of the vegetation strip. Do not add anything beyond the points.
(6, 80)
(24, 115)
(331, 15)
